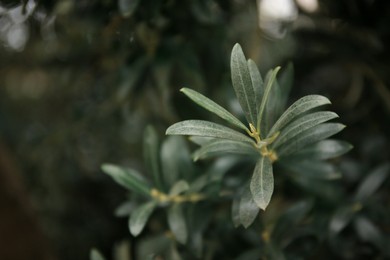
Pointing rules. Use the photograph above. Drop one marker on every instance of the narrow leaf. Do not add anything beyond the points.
(213, 107)
(128, 178)
(140, 216)
(94, 254)
(312, 135)
(236, 212)
(323, 150)
(151, 155)
(262, 183)
(219, 147)
(340, 219)
(248, 208)
(269, 82)
(242, 83)
(368, 232)
(179, 187)
(286, 81)
(257, 81)
(177, 222)
(302, 105)
(372, 182)
(302, 124)
(207, 129)
(312, 169)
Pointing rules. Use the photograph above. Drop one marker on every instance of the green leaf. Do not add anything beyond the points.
(242, 83)
(213, 107)
(368, 232)
(179, 187)
(127, 7)
(219, 147)
(312, 135)
(372, 182)
(302, 124)
(94, 254)
(177, 222)
(140, 216)
(257, 81)
(128, 178)
(200, 140)
(207, 129)
(248, 208)
(262, 183)
(236, 212)
(269, 83)
(290, 219)
(302, 105)
(273, 108)
(340, 219)
(151, 155)
(176, 160)
(323, 150)
(286, 81)
(312, 169)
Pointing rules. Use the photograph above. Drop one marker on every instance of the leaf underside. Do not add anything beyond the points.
(262, 182)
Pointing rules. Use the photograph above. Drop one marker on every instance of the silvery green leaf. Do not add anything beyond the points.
(248, 209)
(127, 7)
(94, 254)
(257, 81)
(340, 219)
(242, 83)
(151, 155)
(213, 107)
(368, 232)
(312, 169)
(201, 140)
(140, 216)
(262, 182)
(179, 187)
(312, 135)
(302, 105)
(323, 150)
(219, 147)
(372, 182)
(207, 129)
(177, 222)
(302, 124)
(268, 84)
(127, 178)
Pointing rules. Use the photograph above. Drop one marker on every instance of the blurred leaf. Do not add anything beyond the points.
(286, 81)
(341, 218)
(177, 222)
(173, 253)
(257, 81)
(274, 252)
(213, 107)
(262, 183)
(94, 254)
(312, 135)
(151, 155)
(290, 219)
(302, 124)
(312, 169)
(250, 255)
(140, 216)
(242, 84)
(152, 246)
(299, 107)
(127, 7)
(323, 150)
(206, 128)
(372, 182)
(179, 187)
(176, 161)
(368, 232)
(269, 82)
(236, 212)
(124, 209)
(220, 147)
(248, 208)
(273, 109)
(127, 178)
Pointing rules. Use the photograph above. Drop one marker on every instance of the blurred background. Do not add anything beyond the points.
(80, 80)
